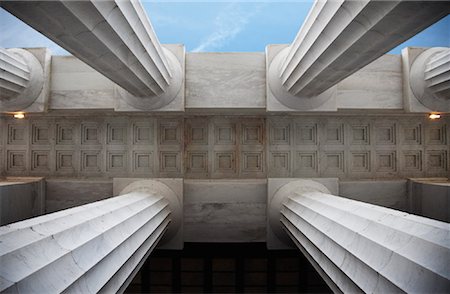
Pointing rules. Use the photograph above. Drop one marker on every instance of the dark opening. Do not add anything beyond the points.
(227, 268)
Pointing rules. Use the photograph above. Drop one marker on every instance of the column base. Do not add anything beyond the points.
(172, 99)
(279, 99)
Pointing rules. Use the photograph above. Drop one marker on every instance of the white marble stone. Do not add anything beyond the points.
(388, 193)
(92, 248)
(172, 190)
(429, 78)
(21, 79)
(378, 85)
(363, 247)
(225, 81)
(225, 210)
(114, 37)
(337, 39)
(21, 198)
(276, 238)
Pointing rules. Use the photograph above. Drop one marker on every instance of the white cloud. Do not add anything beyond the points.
(228, 24)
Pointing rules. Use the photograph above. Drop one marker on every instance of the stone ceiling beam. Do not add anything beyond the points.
(340, 37)
(115, 38)
(360, 247)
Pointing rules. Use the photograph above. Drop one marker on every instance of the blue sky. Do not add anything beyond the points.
(214, 26)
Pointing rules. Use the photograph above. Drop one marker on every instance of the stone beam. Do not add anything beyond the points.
(340, 37)
(21, 79)
(97, 247)
(360, 247)
(115, 38)
(429, 79)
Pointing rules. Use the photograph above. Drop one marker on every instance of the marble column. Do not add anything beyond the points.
(429, 78)
(21, 79)
(115, 38)
(360, 247)
(340, 37)
(98, 247)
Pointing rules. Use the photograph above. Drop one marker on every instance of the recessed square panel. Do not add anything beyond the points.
(334, 134)
(17, 134)
(197, 162)
(412, 160)
(116, 134)
(279, 163)
(65, 161)
(386, 161)
(360, 134)
(252, 162)
(143, 133)
(40, 134)
(91, 161)
(65, 134)
(385, 134)
(333, 162)
(436, 134)
(169, 133)
(412, 134)
(252, 134)
(169, 161)
(90, 133)
(116, 161)
(306, 134)
(279, 133)
(143, 162)
(16, 160)
(360, 161)
(437, 160)
(225, 134)
(197, 133)
(40, 160)
(306, 163)
(225, 162)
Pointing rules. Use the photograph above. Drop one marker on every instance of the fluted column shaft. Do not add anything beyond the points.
(114, 37)
(359, 247)
(437, 74)
(21, 79)
(340, 37)
(429, 78)
(87, 249)
(15, 74)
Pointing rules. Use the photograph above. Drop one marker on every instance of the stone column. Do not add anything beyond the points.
(429, 79)
(115, 38)
(98, 247)
(21, 79)
(359, 247)
(340, 37)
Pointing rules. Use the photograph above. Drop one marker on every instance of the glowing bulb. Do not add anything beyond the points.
(19, 115)
(434, 116)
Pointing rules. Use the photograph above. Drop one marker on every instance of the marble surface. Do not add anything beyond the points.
(387, 193)
(339, 38)
(225, 210)
(21, 198)
(92, 248)
(121, 45)
(430, 198)
(225, 80)
(364, 247)
(67, 193)
(172, 190)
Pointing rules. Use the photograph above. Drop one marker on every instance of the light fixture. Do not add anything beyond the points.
(434, 116)
(19, 115)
